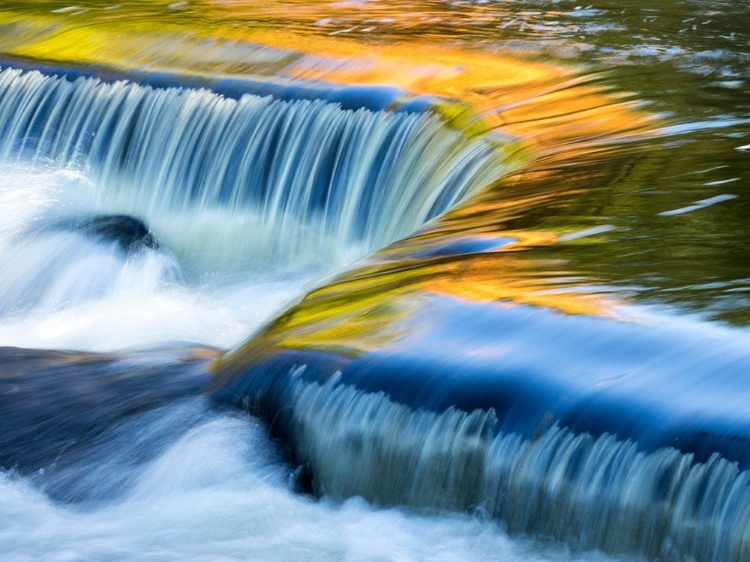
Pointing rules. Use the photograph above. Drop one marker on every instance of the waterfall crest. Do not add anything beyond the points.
(310, 168)
(593, 492)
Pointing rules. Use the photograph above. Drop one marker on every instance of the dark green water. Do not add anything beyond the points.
(688, 61)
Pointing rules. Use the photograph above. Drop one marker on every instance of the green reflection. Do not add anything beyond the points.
(687, 59)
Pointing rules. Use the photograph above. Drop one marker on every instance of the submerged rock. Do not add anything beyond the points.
(130, 233)
(57, 403)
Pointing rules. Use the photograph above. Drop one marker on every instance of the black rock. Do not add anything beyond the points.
(130, 233)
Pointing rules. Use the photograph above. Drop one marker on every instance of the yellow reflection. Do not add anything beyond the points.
(557, 117)
(368, 309)
(542, 103)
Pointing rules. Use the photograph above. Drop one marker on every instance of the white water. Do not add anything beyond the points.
(216, 491)
(590, 492)
(250, 200)
(62, 290)
(183, 482)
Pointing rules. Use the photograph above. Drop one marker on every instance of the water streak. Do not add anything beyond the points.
(592, 492)
(68, 284)
(302, 168)
(185, 482)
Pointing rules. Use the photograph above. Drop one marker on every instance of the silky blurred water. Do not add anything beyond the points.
(189, 483)
(185, 482)
(63, 290)
(663, 223)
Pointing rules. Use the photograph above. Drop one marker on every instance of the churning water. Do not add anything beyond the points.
(213, 488)
(185, 481)
(135, 217)
(64, 287)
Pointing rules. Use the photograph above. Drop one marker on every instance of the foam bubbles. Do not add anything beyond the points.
(61, 289)
(217, 490)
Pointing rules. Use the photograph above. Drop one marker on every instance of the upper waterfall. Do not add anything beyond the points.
(349, 177)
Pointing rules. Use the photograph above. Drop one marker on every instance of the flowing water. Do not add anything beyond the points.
(140, 215)
(265, 205)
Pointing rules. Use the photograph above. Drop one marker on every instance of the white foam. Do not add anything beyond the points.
(62, 290)
(219, 493)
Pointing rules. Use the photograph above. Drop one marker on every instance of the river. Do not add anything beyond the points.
(153, 200)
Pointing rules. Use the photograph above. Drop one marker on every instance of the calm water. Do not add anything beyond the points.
(660, 221)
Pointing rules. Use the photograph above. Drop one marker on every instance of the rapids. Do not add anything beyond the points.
(367, 281)
(189, 483)
(300, 173)
(70, 289)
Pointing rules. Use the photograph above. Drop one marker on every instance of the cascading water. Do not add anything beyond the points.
(590, 492)
(561, 449)
(212, 177)
(142, 219)
(302, 177)
(240, 194)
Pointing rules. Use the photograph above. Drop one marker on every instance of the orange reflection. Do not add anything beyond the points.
(548, 106)
(555, 115)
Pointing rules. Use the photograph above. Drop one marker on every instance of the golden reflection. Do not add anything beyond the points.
(485, 279)
(546, 105)
(531, 109)
(368, 308)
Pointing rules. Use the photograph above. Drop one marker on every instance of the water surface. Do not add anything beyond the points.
(630, 203)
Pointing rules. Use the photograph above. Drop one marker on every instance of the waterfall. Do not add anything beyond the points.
(593, 492)
(295, 170)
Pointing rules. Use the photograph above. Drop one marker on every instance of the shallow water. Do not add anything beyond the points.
(658, 219)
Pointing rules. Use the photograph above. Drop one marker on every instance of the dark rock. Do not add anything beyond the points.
(129, 232)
